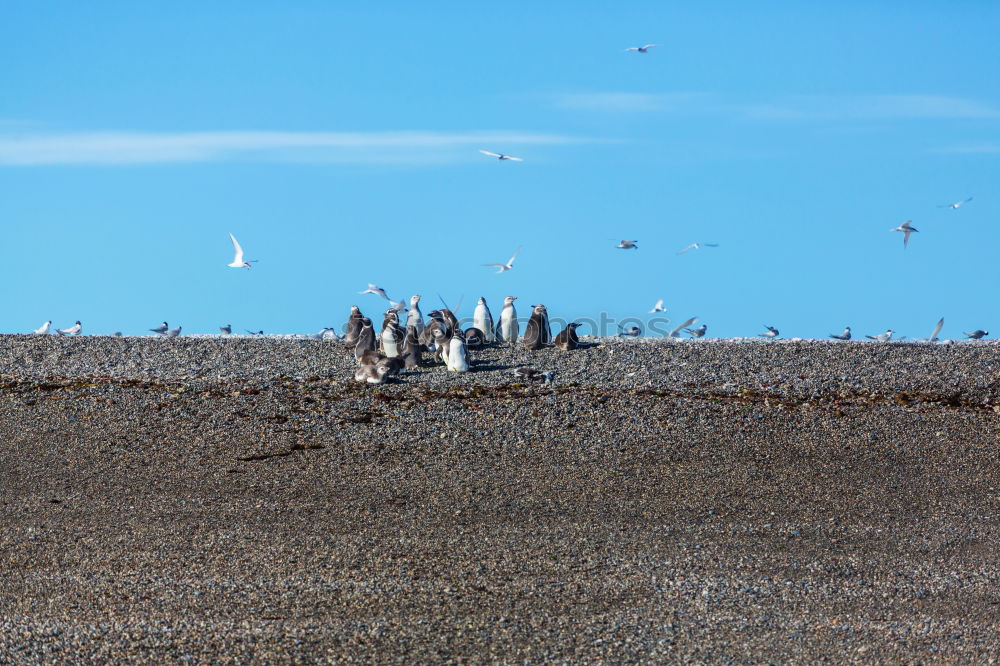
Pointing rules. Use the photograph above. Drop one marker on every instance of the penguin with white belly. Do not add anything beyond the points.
(392, 335)
(509, 328)
(458, 354)
(482, 319)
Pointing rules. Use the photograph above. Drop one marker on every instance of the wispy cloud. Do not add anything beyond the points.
(356, 147)
(784, 108)
(869, 107)
(631, 102)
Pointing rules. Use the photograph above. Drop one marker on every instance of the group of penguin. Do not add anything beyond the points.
(400, 347)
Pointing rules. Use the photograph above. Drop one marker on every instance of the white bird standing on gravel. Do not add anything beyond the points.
(881, 337)
(173, 332)
(43, 329)
(977, 334)
(697, 332)
(161, 329)
(658, 307)
(72, 330)
(846, 335)
(501, 156)
(640, 49)
(907, 230)
(771, 332)
(238, 261)
(505, 267)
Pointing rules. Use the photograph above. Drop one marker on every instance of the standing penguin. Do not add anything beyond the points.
(458, 354)
(442, 343)
(391, 338)
(353, 328)
(509, 328)
(366, 339)
(482, 319)
(414, 319)
(537, 334)
(412, 349)
(449, 318)
(567, 338)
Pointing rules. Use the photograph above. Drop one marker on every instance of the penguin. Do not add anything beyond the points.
(474, 338)
(435, 320)
(567, 338)
(353, 327)
(389, 367)
(449, 318)
(412, 349)
(392, 335)
(458, 354)
(442, 344)
(366, 338)
(372, 374)
(509, 328)
(482, 319)
(414, 319)
(537, 334)
(369, 357)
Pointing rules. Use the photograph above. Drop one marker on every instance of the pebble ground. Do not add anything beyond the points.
(244, 501)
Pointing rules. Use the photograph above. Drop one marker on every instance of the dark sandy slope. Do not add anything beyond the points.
(737, 519)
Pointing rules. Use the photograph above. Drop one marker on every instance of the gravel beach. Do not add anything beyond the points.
(243, 500)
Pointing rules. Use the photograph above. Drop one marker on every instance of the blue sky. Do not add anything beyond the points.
(339, 143)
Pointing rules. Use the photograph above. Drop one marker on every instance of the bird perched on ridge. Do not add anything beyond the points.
(771, 332)
(697, 332)
(881, 337)
(75, 329)
(977, 334)
(846, 335)
(43, 329)
(161, 329)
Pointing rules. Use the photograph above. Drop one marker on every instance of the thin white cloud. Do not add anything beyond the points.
(869, 107)
(784, 108)
(112, 148)
(631, 102)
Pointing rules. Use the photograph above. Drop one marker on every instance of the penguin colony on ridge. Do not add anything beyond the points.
(385, 354)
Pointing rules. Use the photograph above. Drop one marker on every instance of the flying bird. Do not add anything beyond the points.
(957, 204)
(501, 156)
(378, 291)
(977, 334)
(72, 330)
(697, 246)
(907, 230)
(627, 245)
(641, 49)
(846, 335)
(238, 261)
(676, 333)
(161, 329)
(771, 332)
(881, 337)
(658, 307)
(505, 267)
(43, 329)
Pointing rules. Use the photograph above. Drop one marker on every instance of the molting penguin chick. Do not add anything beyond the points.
(567, 338)
(537, 334)
(392, 335)
(509, 328)
(482, 319)
(412, 349)
(366, 338)
(371, 374)
(389, 367)
(353, 327)
(442, 343)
